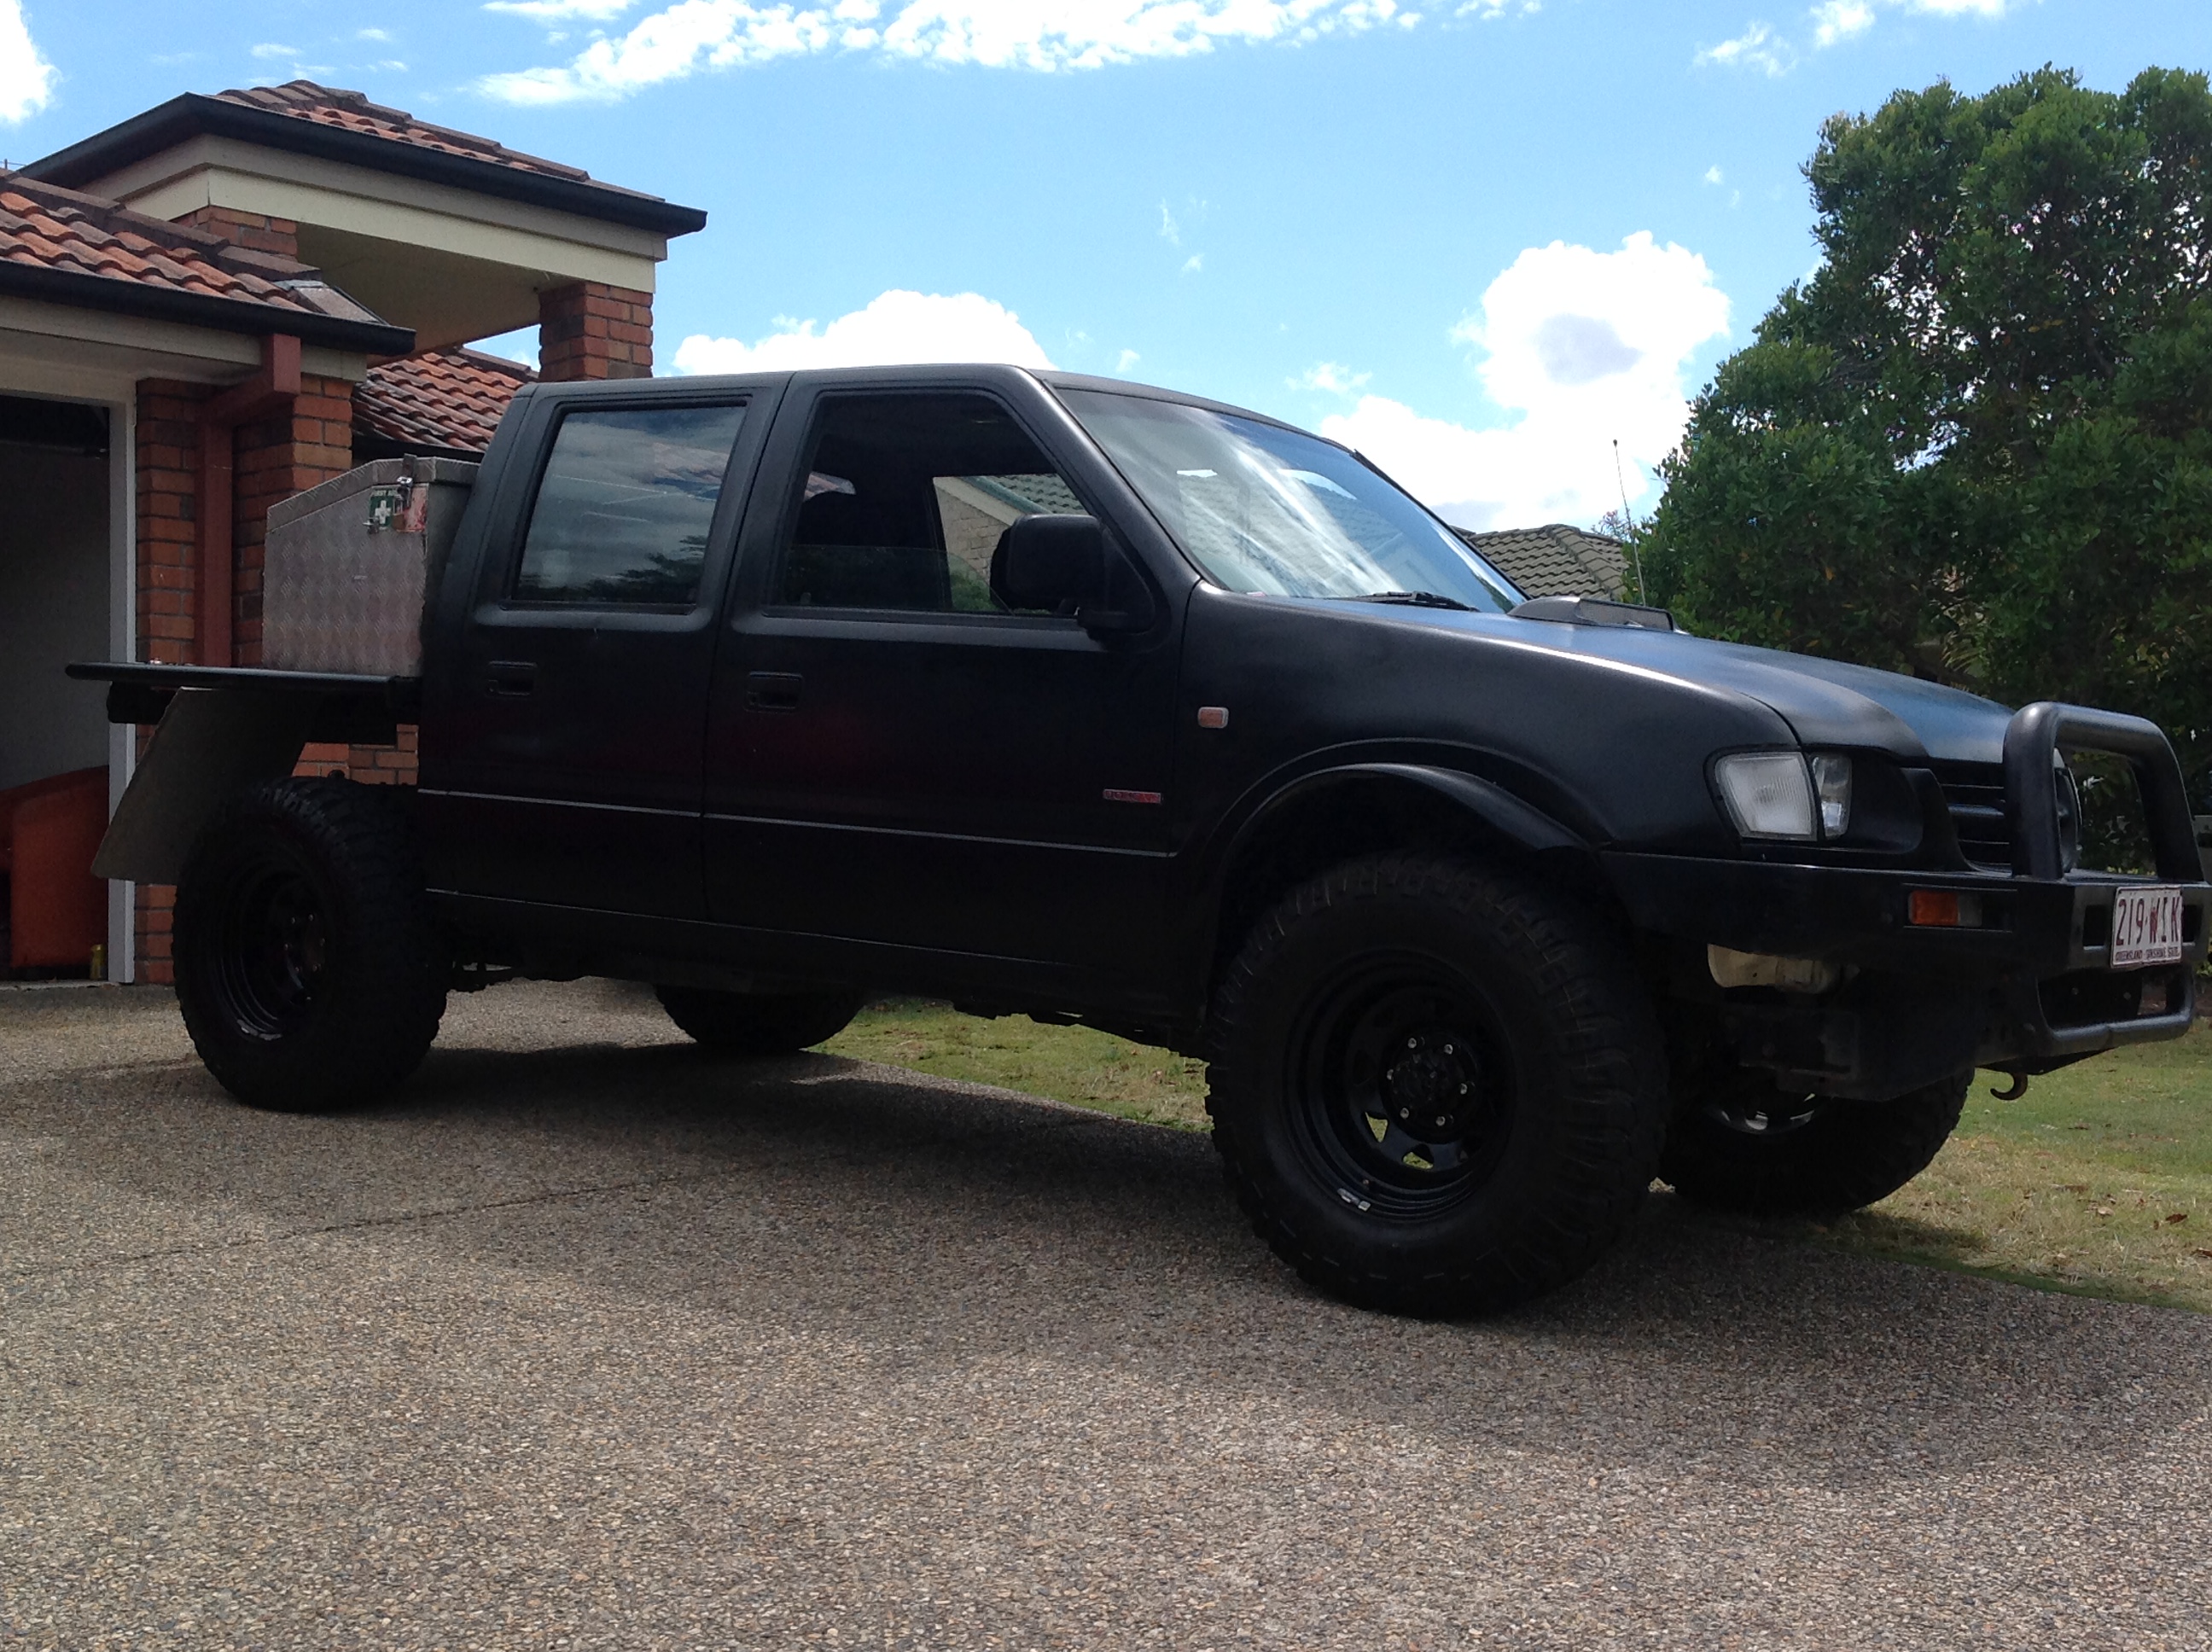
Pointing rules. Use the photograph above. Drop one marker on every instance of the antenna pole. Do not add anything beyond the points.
(1635, 551)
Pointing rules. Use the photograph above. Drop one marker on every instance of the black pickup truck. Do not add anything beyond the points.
(1064, 697)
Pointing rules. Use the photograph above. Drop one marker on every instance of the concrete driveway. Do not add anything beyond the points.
(590, 1340)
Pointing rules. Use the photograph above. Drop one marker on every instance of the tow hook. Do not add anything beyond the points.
(2019, 1086)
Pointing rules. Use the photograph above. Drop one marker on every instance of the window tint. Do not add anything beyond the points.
(622, 511)
(904, 502)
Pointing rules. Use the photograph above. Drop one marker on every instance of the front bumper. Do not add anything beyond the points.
(2031, 986)
(2041, 952)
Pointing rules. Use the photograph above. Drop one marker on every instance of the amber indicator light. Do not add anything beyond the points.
(1943, 908)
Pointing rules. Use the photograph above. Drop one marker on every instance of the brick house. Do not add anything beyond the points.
(203, 310)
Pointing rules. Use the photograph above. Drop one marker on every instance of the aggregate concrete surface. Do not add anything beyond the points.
(589, 1339)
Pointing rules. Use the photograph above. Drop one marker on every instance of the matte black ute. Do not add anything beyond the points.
(1064, 697)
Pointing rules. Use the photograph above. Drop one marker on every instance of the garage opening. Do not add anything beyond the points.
(54, 607)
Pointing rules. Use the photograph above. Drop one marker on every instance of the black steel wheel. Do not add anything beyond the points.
(1403, 1085)
(1743, 1142)
(308, 970)
(1436, 1087)
(275, 943)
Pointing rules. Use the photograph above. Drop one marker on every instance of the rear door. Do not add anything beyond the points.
(564, 737)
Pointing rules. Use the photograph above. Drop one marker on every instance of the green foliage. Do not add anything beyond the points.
(1977, 444)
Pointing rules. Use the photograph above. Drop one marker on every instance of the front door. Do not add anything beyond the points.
(567, 766)
(897, 757)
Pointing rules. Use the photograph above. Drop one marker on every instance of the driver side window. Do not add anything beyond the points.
(905, 500)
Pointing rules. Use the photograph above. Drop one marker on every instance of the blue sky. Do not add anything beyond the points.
(1480, 238)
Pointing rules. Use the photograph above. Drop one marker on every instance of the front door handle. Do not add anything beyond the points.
(511, 679)
(772, 691)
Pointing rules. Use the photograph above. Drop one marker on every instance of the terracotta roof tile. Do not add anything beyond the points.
(82, 235)
(1553, 560)
(331, 105)
(449, 400)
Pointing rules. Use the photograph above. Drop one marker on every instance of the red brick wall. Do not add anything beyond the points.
(591, 330)
(275, 457)
(168, 480)
(168, 477)
(247, 229)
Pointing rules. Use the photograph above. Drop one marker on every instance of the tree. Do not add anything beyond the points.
(1977, 444)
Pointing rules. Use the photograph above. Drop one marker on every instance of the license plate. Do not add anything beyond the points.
(2146, 926)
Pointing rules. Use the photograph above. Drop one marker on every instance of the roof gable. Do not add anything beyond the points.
(336, 124)
(71, 248)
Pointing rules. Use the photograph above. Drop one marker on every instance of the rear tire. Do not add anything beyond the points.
(308, 970)
(1747, 1145)
(1436, 1088)
(759, 1024)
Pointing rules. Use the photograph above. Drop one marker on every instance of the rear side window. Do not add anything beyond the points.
(622, 510)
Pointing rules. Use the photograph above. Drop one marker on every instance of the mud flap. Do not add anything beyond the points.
(209, 744)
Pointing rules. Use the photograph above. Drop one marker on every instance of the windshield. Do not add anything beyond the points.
(1277, 513)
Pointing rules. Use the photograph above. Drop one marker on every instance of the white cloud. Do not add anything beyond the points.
(269, 51)
(384, 34)
(694, 35)
(1194, 263)
(1584, 347)
(26, 80)
(1126, 360)
(1332, 378)
(1839, 20)
(1713, 175)
(1171, 231)
(1758, 47)
(896, 326)
(554, 11)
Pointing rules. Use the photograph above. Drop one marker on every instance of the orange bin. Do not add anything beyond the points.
(49, 832)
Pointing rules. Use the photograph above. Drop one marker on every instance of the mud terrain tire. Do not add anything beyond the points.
(1437, 1089)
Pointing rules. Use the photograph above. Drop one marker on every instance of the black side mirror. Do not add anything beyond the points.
(1062, 565)
(1057, 563)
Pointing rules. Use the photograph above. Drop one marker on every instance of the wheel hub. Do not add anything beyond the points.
(276, 949)
(1403, 1086)
(1433, 1085)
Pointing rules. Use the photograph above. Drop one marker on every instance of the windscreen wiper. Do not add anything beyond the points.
(1416, 599)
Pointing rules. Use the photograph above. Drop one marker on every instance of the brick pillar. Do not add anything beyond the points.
(167, 467)
(252, 230)
(588, 330)
(283, 455)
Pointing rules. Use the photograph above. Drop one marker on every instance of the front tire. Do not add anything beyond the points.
(759, 1024)
(1743, 1144)
(1436, 1088)
(308, 969)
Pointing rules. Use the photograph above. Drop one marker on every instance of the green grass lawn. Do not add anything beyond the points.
(2099, 1179)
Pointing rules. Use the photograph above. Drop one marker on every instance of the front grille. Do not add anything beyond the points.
(1975, 794)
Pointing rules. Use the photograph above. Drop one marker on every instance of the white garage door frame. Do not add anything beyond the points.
(119, 394)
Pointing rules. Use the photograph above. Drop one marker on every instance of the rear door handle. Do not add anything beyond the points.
(511, 678)
(772, 691)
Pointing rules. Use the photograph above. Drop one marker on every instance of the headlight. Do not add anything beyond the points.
(1769, 793)
(1786, 795)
